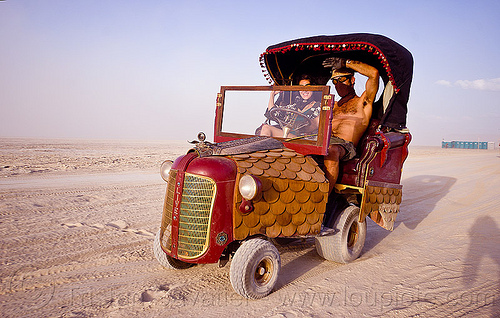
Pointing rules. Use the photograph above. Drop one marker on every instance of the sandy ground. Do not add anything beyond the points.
(78, 217)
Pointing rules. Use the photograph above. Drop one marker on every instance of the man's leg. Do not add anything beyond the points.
(335, 152)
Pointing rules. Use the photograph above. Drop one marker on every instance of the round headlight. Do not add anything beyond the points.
(249, 186)
(165, 169)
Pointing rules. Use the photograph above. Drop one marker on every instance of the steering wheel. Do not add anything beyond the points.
(289, 120)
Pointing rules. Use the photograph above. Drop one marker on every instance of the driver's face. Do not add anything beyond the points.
(305, 94)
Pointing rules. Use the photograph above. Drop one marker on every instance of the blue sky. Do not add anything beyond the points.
(150, 70)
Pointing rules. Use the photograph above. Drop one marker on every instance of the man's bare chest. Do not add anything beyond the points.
(351, 108)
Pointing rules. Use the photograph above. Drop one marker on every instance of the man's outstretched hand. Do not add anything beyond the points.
(335, 62)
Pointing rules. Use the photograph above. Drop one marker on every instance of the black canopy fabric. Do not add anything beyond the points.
(285, 62)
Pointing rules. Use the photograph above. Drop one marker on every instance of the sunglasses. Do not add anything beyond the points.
(340, 79)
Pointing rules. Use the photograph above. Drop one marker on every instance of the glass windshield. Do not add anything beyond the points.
(293, 114)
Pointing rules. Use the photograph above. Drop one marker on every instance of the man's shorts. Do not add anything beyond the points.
(350, 150)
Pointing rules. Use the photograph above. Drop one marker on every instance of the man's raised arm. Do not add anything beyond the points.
(371, 72)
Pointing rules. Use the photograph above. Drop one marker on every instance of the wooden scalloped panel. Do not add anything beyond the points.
(382, 205)
(293, 199)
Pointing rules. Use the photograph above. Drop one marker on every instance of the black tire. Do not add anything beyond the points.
(348, 241)
(255, 268)
(166, 260)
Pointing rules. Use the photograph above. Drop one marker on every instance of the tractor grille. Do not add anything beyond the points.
(167, 214)
(194, 217)
(195, 213)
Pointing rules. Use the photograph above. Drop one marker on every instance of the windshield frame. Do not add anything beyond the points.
(303, 146)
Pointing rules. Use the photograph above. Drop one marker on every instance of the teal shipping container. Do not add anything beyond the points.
(465, 144)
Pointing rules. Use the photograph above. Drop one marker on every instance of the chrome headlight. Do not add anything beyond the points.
(165, 169)
(250, 186)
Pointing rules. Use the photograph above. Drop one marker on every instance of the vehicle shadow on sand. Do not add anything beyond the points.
(420, 196)
(484, 243)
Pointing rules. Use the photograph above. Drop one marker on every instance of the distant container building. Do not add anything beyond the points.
(465, 144)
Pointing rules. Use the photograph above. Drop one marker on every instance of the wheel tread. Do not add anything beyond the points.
(334, 247)
(165, 260)
(241, 268)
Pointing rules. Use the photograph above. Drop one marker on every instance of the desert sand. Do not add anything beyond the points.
(78, 220)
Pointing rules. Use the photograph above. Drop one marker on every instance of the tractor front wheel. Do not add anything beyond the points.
(166, 260)
(255, 268)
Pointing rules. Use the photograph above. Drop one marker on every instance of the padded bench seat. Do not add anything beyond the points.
(380, 157)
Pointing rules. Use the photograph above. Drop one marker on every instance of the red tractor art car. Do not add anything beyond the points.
(228, 199)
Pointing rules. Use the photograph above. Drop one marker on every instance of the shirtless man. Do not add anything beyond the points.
(351, 114)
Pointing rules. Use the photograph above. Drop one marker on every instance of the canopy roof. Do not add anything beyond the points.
(285, 62)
